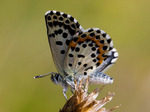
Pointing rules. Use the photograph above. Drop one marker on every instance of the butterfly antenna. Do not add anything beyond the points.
(44, 75)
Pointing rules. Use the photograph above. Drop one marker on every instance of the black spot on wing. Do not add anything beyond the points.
(56, 32)
(67, 42)
(97, 64)
(90, 45)
(71, 19)
(51, 13)
(64, 15)
(105, 47)
(78, 25)
(58, 13)
(48, 18)
(75, 39)
(109, 40)
(84, 45)
(50, 24)
(60, 24)
(61, 18)
(64, 35)
(54, 17)
(92, 34)
(59, 43)
(94, 60)
(62, 51)
(79, 63)
(73, 26)
(104, 34)
(85, 65)
(90, 30)
(93, 55)
(77, 49)
(70, 55)
(67, 21)
(70, 64)
(98, 31)
(83, 36)
(60, 31)
(85, 73)
(55, 23)
(93, 48)
(89, 68)
(101, 41)
(97, 37)
(53, 34)
(80, 56)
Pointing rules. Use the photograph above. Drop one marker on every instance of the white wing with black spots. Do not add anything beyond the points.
(77, 51)
(60, 30)
(89, 52)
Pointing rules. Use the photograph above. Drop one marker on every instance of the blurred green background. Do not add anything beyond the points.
(25, 52)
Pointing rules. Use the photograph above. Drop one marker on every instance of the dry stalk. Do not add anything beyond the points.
(81, 101)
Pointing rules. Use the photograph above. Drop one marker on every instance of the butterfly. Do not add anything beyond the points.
(78, 53)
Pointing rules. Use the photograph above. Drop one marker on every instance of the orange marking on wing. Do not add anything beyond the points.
(73, 44)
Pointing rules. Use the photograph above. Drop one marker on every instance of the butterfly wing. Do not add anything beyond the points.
(89, 52)
(60, 30)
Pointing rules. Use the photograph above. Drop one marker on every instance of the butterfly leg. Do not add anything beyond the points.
(84, 88)
(72, 90)
(64, 92)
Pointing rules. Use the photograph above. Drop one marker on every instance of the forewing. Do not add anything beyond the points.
(90, 52)
(60, 30)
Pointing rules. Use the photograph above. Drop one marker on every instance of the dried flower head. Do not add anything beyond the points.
(81, 101)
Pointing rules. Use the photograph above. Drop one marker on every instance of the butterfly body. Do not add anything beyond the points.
(77, 52)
